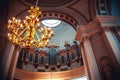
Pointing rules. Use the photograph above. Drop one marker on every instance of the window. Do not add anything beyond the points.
(51, 22)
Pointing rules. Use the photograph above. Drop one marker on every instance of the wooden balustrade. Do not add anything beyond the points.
(64, 57)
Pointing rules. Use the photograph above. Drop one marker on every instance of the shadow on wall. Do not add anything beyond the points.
(115, 8)
(118, 22)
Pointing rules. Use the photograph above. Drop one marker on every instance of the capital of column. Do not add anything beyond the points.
(81, 45)
(85, 37)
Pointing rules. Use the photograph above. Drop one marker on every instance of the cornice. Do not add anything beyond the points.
(107, 20)
(87, 30)
(54, 14)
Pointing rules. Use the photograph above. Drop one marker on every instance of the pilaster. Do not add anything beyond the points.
(6, 51)
(13, 64)
(95, 75)
(98, 39)
(113, 44)
(107, 25)
(6, 60)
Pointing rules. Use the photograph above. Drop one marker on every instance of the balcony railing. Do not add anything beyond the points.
(55, 60)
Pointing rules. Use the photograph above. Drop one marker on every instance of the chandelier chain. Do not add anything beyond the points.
(36, 3)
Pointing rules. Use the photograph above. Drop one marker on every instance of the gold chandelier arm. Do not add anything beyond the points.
(28, 32)
(16, 31)
(36, 3)
(22, 32)
(37, 35)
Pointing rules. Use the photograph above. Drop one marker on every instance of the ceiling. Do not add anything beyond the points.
(70, 11)
(50, 3)
(81, 10)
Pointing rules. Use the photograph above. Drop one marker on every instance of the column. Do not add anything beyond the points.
(118, 30)
(3, 39)
(113, 43)
(13, 65)
(87, 71)
(6, 60)
(94, 72)
(115, 31)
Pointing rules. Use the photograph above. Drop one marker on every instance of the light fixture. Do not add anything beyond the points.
(28, 33)
(51, 22)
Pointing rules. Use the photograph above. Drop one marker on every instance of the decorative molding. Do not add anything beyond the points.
(86, 37)
(92, 27)
(48, 3)
(109, 28)
(54, 14)
(89, 30)
(90, 16)
(107, 20)
(77, 22)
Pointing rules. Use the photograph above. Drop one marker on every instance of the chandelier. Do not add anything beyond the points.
(28, 33)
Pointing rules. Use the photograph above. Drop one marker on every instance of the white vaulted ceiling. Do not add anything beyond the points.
(63, 32)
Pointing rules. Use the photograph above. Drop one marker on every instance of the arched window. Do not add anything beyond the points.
(51, 22)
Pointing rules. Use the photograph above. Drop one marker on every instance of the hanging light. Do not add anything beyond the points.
(28, 33)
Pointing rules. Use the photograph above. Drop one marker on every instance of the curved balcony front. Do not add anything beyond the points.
(62, 75)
